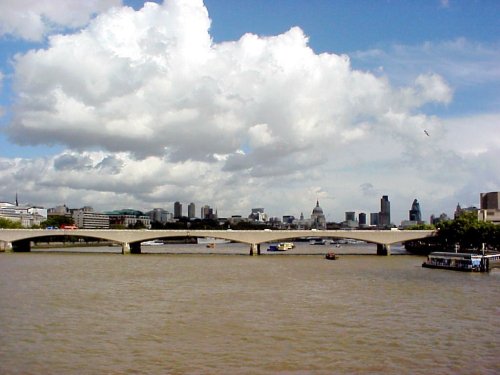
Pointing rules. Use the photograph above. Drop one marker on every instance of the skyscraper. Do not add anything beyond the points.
(177, 210)
(191, 210)
(384, 218)
(415, 214)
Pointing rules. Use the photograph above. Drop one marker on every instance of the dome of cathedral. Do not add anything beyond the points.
(317, 210)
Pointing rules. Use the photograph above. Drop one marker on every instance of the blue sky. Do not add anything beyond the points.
(408, 66)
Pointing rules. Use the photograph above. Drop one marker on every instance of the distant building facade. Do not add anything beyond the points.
(490, 207)
(86, 218)
(191, 210)
(318, 220)
(177, 210)
(384, 219)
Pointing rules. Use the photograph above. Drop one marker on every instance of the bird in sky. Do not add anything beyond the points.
(426, 133)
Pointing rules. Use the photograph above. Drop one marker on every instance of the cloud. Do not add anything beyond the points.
(33, 20)
(152, 82)
(151, 110)
(463, 62)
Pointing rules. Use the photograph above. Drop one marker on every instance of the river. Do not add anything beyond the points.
(182, 311)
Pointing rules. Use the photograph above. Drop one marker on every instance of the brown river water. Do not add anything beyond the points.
(180, 310)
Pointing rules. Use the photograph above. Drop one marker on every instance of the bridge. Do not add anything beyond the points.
(130, 240)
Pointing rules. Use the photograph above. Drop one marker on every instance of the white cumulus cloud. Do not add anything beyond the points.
(33, 19)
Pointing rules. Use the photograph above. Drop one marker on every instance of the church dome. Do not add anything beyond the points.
(317, 210)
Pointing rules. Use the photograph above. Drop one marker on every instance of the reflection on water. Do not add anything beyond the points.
(108, 313)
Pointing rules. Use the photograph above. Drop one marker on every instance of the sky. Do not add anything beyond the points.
(241, 104)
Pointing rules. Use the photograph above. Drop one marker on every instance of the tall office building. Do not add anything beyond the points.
(208, 212)
(177, 210)
(191, 210)
(415, 214)
(362, 219)
(350, 216)
(384, 217)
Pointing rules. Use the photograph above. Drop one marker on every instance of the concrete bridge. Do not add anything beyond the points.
(130, 240)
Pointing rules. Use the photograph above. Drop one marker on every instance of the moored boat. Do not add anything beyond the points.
(153, 243)
(210, 240)
(317, 241)
(282, 246)
(466, 262)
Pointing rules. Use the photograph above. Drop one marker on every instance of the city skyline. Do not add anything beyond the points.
(250, 104)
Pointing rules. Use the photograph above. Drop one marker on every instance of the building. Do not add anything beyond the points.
(415, 214)
(490, 201)
(436, 220)
(191, 210)
(350, 220)
(177, 210)
(384, 217)
(490, 207)
(208, 213)
(362, 219)
(318, 220)
(374, 219)
(86, 218)
(258, 215)
(27, 215)
(159, 215)
(128, 218)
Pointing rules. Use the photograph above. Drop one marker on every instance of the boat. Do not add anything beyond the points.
(210, 240)
(211, 245)
(331, 256)
(282, 246)
(317, 241)
(153, 243)
(467, 262)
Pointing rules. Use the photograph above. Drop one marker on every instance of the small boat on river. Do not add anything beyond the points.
(331, 256)
(282, 246)
(466, 262)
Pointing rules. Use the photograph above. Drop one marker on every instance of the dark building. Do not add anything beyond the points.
(177, 210)
(384, 216)
(362, 219)
(415, 214)
(191, 210)
(490, 201)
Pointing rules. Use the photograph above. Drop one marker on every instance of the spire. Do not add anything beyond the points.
(317, 202)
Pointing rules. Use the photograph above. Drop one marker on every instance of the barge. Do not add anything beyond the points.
(466, 262)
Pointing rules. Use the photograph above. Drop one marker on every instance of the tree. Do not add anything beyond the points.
(57, 221)
(465, 232)
(9, 224)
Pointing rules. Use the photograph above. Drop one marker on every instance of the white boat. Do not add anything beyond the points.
(210, 240)
(283, 246)
(317, 241)
(153, 243)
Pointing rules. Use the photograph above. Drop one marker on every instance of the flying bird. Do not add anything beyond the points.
(426, 133)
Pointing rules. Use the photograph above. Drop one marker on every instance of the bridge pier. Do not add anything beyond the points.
(131, 248)
(125, 248)
(6, 246)
(21, 246)
(383, 249)
(255, 249)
